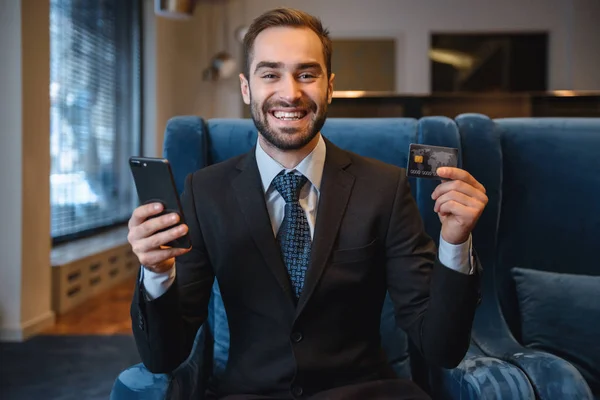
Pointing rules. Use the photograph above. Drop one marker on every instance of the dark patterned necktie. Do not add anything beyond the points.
(294, 233)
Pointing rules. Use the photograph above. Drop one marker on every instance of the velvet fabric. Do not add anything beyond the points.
(482, 377)
(551, 305)
(542, 177)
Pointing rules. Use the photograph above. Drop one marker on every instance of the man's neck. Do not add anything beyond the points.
(288, 158)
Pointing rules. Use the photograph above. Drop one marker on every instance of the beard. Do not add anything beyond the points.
(291, 138)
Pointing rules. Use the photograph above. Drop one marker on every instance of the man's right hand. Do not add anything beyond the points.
(149, 246)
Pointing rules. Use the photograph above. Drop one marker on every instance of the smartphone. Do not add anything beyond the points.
(154, 182)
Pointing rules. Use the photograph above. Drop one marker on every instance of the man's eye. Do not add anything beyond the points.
(269, 76)
(307, 76)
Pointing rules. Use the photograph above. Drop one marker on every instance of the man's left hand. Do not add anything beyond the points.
(459, 203)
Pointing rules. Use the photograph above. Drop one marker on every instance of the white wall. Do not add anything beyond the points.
(183, 48)
(25, 280)
(572, 24)
(585, 45)
(178, 52)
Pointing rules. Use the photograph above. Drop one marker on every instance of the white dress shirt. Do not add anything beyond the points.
(456, 257)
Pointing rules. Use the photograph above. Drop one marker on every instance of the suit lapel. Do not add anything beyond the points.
(336, 187)
(251, 199)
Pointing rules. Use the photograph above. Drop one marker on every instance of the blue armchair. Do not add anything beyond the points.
(543, 217)
(192, 143)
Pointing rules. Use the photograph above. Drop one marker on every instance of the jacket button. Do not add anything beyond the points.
(297, 391)
(296, 337)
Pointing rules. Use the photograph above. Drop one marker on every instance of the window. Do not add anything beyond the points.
(95, 116)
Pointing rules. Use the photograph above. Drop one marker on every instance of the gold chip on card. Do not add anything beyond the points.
(419, 159)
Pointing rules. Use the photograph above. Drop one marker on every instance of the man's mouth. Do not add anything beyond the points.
(289, 115)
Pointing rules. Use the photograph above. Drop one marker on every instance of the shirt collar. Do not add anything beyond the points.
(311, 166)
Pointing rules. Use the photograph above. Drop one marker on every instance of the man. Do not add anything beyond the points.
(305, 239)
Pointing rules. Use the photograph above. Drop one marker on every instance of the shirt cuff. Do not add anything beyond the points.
(457, 256)
(156, 284)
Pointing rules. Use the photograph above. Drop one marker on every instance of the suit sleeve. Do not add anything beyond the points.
(165, 328)
(434, 304)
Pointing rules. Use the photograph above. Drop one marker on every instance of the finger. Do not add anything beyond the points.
(460, 198)
(141, 213)
(159, 239)
(462, 212)
(459, 186)
(153, 225)
(461, 175)
(155, 257)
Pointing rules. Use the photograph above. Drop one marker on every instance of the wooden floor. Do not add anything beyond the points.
(104, 314)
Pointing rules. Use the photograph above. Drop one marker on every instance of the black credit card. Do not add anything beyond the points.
(424, 160)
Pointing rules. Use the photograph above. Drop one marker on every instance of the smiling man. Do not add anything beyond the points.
(287, 82)
(305, 239)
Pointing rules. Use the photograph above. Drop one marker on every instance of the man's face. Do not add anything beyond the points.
(287, 87)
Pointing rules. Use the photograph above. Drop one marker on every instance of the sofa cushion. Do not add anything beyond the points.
(185, 147)
(219, 329)
(559, 314)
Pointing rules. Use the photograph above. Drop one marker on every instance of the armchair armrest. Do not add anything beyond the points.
(551, 377)
(482, 377)
(184, 383)
(136, 382)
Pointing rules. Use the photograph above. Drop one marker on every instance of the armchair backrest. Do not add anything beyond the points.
(192, 143)
(543, 181)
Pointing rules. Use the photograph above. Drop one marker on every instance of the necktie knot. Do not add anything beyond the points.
(289, 186)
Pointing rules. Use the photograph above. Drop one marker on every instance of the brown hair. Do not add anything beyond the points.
(286, 17)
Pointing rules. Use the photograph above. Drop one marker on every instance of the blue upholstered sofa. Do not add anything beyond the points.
(192, 143)
(539, 240)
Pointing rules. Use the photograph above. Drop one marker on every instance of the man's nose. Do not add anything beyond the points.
(290, 89)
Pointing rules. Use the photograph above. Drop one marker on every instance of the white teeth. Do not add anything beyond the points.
(289, 116)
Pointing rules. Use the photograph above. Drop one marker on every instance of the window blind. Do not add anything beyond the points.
(95, 116)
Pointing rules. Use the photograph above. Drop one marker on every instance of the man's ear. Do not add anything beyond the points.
(245, 87)
(330, 88)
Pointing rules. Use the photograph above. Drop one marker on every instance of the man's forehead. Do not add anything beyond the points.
(287, 45)
(280, 32)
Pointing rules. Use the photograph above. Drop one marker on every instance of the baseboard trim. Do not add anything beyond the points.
(27, 328)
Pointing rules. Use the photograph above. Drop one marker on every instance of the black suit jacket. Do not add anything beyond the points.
(368, 238)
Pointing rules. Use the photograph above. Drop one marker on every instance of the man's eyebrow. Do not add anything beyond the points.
(268, 65)
(309, 65)
(280, 65)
